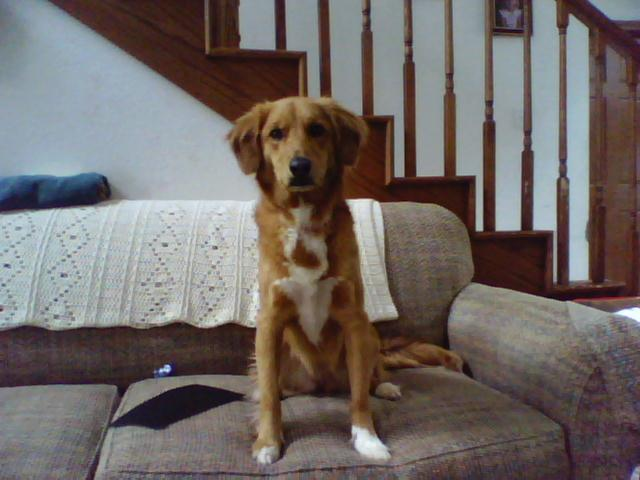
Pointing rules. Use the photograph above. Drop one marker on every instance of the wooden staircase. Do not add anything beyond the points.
(195, 44)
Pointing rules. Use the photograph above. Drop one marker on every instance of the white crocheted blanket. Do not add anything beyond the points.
(149, 263)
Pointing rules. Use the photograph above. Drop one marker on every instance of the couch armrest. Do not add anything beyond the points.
(577, 365)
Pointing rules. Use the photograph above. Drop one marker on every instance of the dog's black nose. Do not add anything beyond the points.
(300, 167)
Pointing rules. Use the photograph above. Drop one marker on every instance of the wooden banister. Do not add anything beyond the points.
(280, 13)
(449, 95)
(409, 77)
(324, 44)
(488, 127)
(527, 152)
(562, 199)
(367, 59)
(615, 36)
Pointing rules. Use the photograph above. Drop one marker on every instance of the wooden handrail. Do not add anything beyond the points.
(615, 36)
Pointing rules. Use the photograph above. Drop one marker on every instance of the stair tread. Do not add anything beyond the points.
(587, 289)
(254, 53)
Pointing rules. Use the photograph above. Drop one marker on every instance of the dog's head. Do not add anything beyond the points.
(297, 144)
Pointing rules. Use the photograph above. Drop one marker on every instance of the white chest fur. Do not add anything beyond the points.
(311, 295)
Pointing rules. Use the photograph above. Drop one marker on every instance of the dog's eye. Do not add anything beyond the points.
(276, 134)
(316, 130)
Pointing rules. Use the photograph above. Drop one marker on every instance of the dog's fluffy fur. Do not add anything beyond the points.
(313, 334)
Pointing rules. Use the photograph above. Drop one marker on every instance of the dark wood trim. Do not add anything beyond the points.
(324, 45)
(367, 59)
(280, 14)
(409, 78)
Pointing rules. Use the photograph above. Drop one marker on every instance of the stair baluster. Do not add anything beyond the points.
(449, 96)
(598, 213)
(324, 44)
(488, 127)
(632, 82)
(562, 199)
(527, 152)
(409, 76)
(222, 18)
(280, 14)
(367, 59)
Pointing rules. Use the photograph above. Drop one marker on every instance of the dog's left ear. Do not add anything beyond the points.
(244, 138)
(351, 130)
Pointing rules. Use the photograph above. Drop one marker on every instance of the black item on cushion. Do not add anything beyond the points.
(176, 404)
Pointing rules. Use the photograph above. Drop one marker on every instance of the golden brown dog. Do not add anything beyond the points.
(313, 334)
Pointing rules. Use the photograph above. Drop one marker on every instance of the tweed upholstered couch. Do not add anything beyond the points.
(554, 392)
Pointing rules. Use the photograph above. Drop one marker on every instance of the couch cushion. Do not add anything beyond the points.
(428, 255)
(445, 426)
(53, 431)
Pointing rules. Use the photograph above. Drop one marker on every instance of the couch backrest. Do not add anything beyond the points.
(428, 262)
(428, 255)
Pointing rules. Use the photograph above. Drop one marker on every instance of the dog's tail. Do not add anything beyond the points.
(402, 352)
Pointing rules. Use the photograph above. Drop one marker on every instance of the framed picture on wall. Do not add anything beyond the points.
(508, 17)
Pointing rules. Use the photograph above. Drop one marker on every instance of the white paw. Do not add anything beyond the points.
(368, 444)
(267, 455)
(388, 391)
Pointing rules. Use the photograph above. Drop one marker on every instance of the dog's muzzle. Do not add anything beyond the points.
(300, 168)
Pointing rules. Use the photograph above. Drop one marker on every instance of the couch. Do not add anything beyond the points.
(553, 391)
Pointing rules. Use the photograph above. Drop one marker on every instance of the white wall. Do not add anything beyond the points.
(71, 102)
(74, 102)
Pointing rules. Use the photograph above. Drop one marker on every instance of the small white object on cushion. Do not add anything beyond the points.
(150, 263)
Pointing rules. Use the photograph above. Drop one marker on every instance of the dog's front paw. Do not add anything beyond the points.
(388, 391)
(266, 452)
(368, 444)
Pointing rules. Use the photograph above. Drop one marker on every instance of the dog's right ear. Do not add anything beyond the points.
(244, 137)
